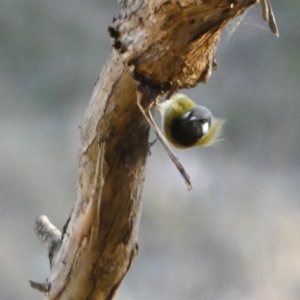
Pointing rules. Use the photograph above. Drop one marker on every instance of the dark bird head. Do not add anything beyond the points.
(192, 125)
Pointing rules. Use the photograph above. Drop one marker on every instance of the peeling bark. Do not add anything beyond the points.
(163, 44)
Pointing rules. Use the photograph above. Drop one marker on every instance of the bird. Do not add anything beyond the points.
(186, 124)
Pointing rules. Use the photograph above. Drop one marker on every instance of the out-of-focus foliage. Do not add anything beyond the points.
(236, 236)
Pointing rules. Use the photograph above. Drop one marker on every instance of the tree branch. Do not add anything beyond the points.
(171, 45)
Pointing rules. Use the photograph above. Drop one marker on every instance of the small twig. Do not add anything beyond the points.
(265, 9)
(48, 234)
(268, 16)
(171, 154)
(42, 287)
(272, 21)
(146, 110)
(150, 144)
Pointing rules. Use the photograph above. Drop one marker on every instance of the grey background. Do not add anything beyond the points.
(236, 236)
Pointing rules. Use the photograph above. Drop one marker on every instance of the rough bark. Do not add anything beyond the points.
(163, 44)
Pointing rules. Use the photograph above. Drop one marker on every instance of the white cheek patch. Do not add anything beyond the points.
(205, 128)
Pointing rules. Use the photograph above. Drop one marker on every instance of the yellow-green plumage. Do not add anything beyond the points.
(176, 107)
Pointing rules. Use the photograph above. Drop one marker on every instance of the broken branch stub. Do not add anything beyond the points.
(173, 43)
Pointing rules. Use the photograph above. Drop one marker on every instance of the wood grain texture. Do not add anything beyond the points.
(173, 43)
(93, 271)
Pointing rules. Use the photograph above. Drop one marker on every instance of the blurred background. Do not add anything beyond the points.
(235, 236)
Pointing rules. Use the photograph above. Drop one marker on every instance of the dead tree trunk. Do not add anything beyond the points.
(163, 45)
